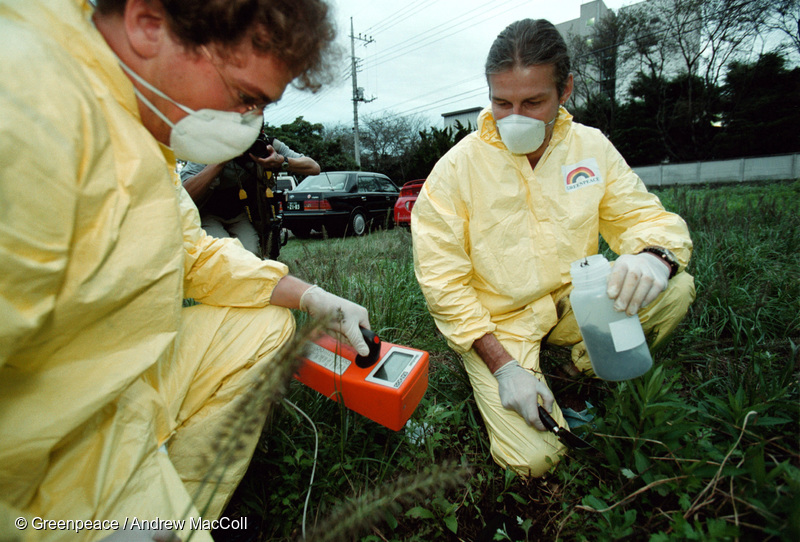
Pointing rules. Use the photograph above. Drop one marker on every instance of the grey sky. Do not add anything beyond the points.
(426, 56)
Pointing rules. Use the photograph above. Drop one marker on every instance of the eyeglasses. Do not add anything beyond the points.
(251, 104)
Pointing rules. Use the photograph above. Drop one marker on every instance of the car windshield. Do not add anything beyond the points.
(324, 181)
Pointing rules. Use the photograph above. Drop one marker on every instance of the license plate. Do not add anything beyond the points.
(293, 206)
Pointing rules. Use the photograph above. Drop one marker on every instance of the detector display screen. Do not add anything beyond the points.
(393, 366)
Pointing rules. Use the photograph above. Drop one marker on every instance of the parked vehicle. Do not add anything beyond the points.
(341, 202)
(284, 183)
(404, 204)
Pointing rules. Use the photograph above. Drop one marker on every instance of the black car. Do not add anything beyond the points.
(341, 202)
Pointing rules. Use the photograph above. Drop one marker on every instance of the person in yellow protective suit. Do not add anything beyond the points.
(100, 366)
(503, 215)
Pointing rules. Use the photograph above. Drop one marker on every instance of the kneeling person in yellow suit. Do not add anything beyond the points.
(100, 366)
(503, 215)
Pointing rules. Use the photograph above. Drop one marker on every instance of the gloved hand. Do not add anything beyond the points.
(636, 280)
(520, 391)
(345, 317)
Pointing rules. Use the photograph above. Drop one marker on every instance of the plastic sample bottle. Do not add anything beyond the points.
(615, 341)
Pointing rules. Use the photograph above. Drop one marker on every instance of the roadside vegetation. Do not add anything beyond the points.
(705, 446)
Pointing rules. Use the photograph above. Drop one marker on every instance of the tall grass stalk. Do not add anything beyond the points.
(268, 386)
(706, 446)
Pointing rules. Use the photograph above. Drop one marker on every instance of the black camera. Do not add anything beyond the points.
(258, 148)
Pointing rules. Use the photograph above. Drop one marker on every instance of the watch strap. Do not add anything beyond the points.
(666, 255)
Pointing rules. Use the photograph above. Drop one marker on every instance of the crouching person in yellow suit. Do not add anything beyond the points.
(110, 391)
(503, 215)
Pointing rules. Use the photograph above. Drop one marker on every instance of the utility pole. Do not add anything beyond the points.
(358, 93)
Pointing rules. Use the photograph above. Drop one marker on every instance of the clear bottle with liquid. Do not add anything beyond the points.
(615, 341)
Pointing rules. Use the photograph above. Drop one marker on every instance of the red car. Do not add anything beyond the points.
(404, 204)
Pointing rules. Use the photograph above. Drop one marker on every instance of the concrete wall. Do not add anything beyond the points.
(786, 166)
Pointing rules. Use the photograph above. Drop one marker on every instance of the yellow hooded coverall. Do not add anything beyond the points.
(493, 242)
(99, 243)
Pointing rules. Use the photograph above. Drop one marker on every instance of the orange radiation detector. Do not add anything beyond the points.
(386, 386)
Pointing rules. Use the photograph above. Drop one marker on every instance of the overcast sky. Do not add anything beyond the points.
(426, 56)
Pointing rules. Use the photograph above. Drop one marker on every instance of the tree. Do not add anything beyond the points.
(433, 144)
(690, 43)
(761, 108)
(387, 142)
(339, 139)
(654, 126)
(785, 18)
(594, 67)
(315, 141)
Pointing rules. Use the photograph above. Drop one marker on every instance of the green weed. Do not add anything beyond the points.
(703, 447)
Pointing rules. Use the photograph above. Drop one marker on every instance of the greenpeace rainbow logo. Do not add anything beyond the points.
(579, 174)
(582, 174)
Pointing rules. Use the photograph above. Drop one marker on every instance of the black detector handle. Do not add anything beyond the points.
(374, 344)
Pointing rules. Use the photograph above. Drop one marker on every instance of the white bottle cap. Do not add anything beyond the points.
(589, 269)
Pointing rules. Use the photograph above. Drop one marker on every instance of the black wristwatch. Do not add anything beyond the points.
(666, 255)
(285, 164)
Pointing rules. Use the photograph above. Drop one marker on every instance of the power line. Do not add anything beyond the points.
(395, 18)
(298, 107)
(447, 87)
(445, 30)
(475, 92)
(423, 39)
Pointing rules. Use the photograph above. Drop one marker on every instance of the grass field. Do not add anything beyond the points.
(703, 447)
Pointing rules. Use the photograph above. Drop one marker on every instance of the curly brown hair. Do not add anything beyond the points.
(299, 33)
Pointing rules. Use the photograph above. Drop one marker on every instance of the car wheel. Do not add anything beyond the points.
(358, 224)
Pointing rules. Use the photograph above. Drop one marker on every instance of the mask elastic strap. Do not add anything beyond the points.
(153, 108)
(155, 91)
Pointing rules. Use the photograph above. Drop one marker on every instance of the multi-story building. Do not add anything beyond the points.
(609, 66)
(594, 65)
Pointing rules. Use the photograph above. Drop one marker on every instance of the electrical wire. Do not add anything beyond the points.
(292, 110)
(375, 61)
(314, 468)
(438, 103)
(447, 87)
(395, 18)
(400, 50)
(436, 30)
(390, 53)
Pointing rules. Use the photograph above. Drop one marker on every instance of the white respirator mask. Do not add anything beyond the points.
(207, 136)
(521, 134)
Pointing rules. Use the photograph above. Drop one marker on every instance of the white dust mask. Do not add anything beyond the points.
(206, 136)
(521, 134)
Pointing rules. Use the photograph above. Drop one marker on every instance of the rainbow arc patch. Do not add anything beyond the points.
(584, 173)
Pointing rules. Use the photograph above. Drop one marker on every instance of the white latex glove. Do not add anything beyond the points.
(636, 280)
(520, 391)
(345, 317)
